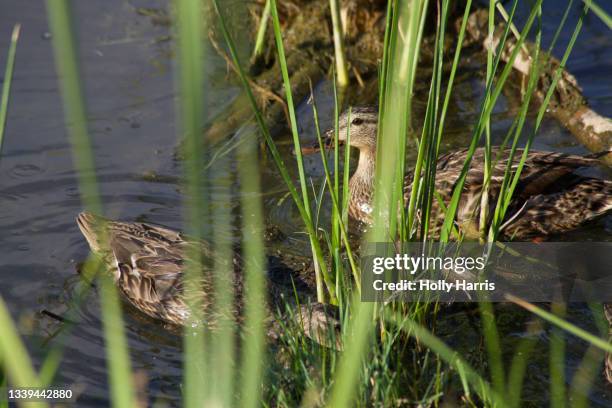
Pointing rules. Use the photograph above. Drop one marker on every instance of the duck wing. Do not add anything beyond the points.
(559, 211)
(540, 169)
(547, 179)
(544, 172)
(147, 260)
(147, 271)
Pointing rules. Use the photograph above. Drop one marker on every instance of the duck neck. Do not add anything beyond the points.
(362, 181)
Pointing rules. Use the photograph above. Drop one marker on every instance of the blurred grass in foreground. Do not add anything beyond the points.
(391, 353)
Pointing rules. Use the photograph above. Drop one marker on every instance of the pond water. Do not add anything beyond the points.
(127, 63)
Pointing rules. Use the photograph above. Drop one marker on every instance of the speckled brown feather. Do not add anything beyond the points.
(547, 188)
(147, 264)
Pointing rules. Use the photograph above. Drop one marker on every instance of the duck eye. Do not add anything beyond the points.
(357, 121)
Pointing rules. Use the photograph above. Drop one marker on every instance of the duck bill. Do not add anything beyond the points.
(310, 148)
(328, 144)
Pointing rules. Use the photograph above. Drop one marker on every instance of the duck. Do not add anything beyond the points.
(550, 199)
(147, 264)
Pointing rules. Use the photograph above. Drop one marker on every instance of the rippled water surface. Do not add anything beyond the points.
(127, 63)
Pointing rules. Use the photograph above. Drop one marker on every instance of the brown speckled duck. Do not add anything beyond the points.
(550, 197)
(147, 264)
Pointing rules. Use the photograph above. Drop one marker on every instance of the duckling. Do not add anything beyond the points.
(147, 265)
(550, 197)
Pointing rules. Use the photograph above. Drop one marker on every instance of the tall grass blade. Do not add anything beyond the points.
(430, 176)
(14, 357)
(317, 255)
(223, 337)
(8, 79)
(600, 12)
(66, 61)
(504, 202)
(478, 383)
(341, 65)
(356, 340)
(556, 360)
(518, 368)
(280, 164)
(399, 65)
(599, 342)
(253, 346)
(395, 118)
(488, 104)
(261, 31)
(190, 20)
(335, 201)
(585, 377)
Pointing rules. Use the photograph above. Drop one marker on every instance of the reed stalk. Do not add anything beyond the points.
(600, 12)
(67, 66)
(479, 384)
(486, 108)
(279, 162)
(253, 346)
(322, 275)
(599, 342)
(506, 193)
(14, 357)
(334, 196)
(399, 62)
(520, 361)
(190, 28)
(341, 64)
(8, 79)
(261, 31)
(223, 342)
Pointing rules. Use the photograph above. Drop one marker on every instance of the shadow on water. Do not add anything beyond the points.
(127, 65)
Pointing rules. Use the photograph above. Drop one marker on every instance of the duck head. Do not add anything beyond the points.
(360, 122)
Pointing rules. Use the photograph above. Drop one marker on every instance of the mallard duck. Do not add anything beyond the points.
(147, 264)
(550, 198)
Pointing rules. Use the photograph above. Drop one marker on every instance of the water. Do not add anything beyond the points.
(127, 64)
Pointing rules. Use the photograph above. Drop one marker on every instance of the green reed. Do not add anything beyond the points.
(342, 75)
(333, 192)
(491, 95)
(400, 60)
(66, 59)
(253, 350)
(320, 265)
(600, 12)
(298, 199)
(8, 79)
(449, 355)
(14, 358)
(190, 25)
(487, 312)
(563, 324)
(504, 201)
(261, 32)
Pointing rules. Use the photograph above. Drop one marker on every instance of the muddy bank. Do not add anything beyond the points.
(308, 42)
(309, 48)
